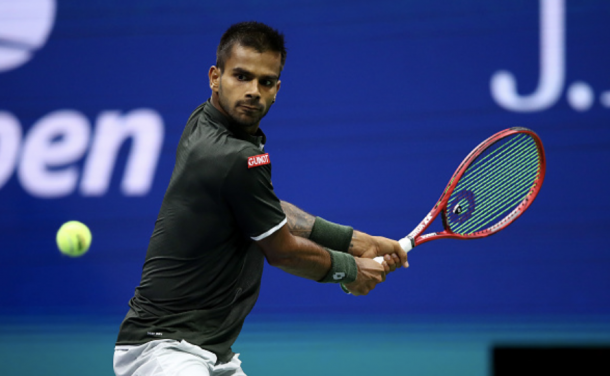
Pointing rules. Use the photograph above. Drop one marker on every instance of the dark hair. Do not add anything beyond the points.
(251, 34)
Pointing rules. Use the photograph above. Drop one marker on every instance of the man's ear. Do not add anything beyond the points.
(214, 75)
(277, 88)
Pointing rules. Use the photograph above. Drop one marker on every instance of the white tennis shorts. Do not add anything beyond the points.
(171, 358)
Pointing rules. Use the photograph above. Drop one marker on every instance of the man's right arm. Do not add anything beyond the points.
(258, 213)
(304, 258)
(301, 224)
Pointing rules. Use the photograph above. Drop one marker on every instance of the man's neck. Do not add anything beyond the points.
(216, 103)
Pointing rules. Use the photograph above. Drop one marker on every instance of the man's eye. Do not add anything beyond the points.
(267, 83)
(241, 77)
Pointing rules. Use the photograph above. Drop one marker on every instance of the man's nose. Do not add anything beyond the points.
(253, 90)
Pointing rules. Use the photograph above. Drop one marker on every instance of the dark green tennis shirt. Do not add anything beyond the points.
(202, 272)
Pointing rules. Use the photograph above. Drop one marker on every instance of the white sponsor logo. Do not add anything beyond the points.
(258, 160)
(428, 235)
(25, 26)
(552, 71)
(421, 226)
(338, 276)
(46, 159)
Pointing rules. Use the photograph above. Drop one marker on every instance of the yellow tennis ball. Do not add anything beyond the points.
(73, 238)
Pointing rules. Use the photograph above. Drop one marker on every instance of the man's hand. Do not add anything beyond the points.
(367, 246)
(370, 273)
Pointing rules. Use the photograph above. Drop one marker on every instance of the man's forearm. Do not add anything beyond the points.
(325, 233)
(300, 223)
(307, 259)
(356, 243)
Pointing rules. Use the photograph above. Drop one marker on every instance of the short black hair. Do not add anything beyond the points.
(251, 34)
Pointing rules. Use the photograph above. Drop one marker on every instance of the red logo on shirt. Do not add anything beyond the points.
(258, 160)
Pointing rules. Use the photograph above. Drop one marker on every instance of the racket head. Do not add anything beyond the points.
(492, 187)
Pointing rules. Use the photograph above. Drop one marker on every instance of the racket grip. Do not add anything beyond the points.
(405, 243)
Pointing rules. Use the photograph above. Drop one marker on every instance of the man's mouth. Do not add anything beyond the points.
(250, 108)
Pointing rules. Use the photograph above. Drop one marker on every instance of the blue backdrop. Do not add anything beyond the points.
(379, 103)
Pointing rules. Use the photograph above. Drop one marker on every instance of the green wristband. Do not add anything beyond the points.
(331, 235)
(343, 268)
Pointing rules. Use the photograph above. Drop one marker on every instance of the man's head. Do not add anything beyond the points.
(245, 80)
(255, 35)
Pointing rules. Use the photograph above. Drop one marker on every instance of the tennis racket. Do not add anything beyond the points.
(490, 189)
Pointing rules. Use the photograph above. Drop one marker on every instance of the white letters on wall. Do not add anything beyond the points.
(47, 158)
(25, 27)
(145, 128)
(50, 150)
(10, 139)
(552, 71)
(552, 65)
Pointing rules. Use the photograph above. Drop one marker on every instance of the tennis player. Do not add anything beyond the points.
(220, 219)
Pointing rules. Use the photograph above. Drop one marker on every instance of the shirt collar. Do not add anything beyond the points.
(218, 117)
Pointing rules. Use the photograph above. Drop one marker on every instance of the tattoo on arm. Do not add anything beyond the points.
(300, 223)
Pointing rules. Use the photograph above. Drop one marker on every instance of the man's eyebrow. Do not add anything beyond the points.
(241, 70)
(272, 77)
(238, 70)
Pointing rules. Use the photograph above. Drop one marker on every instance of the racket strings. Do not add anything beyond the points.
(497, 183)
(495, 202)
(508, 190)
(490, 178)
(499, 179)
(490, 152)
(493, 173)
(499, 204)
(495, 210)
(479, 171)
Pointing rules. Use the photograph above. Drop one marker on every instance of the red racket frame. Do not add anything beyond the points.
(415, 235)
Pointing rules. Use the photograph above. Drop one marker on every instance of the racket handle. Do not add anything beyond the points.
(405, 243)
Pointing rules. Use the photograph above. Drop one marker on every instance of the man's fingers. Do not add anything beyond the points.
(370, 273)
(387, 261)
(396, 260)
(392, 261)
(386, 267)
(402, 254)
(387, 246)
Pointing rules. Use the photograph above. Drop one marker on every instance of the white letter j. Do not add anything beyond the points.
(552, 65)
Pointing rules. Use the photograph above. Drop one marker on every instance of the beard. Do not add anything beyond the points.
(242, 119)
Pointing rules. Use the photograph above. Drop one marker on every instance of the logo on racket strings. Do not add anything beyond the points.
(463, 207)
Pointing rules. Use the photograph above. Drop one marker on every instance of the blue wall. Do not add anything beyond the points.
(379, 103)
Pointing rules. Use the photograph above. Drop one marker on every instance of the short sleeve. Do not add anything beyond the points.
(249, 192)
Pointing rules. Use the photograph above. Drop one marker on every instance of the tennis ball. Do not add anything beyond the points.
(73, 239)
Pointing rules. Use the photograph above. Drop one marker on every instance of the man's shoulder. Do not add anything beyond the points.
(222, 144)
(210, 139)
(246, 156)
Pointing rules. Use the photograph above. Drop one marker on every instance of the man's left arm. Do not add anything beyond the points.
(360, 244)
(300, 223)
